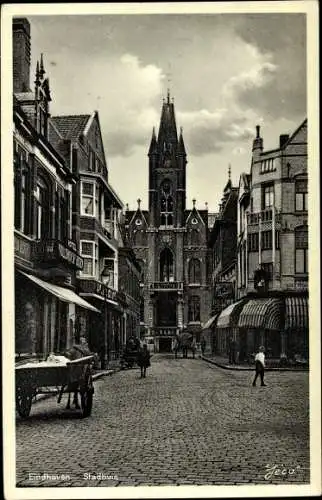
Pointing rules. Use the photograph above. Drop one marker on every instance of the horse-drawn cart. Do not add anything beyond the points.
(45, 377)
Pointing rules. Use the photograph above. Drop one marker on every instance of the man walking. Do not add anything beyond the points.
(260, 366)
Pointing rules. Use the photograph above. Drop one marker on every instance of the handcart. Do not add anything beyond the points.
(40, 378)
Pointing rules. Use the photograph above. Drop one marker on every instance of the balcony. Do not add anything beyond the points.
(57, 252)
(23, 247)
(94, 287)
(166, 285)
(264, 216)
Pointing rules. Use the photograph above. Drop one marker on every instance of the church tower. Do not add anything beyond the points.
(169, 240)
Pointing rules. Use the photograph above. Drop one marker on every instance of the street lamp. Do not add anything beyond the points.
(105, 279)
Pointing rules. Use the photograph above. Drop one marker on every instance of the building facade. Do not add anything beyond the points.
(96, 211)
(272, 252)
(170, 243)
(46, 255)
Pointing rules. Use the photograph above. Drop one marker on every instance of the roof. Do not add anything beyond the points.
(70, 126)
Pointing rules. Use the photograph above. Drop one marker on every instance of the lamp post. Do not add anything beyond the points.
(105, 279)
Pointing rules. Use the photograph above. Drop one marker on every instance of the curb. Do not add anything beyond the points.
(250, 369)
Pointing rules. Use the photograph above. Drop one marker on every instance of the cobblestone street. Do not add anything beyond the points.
(188, 422)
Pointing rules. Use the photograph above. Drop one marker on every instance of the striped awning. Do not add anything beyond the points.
(261, 313)
(210, 322)
(296, 312)
(229, 316)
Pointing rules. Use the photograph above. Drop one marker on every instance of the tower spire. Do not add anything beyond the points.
(229, 172)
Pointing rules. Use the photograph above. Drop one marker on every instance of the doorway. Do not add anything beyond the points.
(165, 344)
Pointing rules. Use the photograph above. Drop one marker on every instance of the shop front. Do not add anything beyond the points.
(45, 315)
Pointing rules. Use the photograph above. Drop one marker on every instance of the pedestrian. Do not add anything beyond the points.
(144, 360)
(260, 366)
(203, 346)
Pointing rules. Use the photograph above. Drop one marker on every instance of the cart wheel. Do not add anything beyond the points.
(23, 402)
(86, 395)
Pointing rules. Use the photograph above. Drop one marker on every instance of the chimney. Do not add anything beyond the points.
(257, 143)
(21, 54)
(283, 140)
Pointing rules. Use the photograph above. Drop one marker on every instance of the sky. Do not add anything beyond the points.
(226, 72)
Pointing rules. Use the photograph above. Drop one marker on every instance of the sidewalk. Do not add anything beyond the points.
(222, 362)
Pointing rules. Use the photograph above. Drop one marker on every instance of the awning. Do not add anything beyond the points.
(229, 316)
(210, 322)
(63, 294)
(296, 312)
(261, 313)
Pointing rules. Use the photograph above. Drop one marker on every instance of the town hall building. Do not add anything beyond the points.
(170, 242)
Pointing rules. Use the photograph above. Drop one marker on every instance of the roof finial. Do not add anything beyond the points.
(257, 131)
(229, 171)
(194, 202)
(206, 205)
(168, 96)
(37, 81)
(42, 70)
(127, 207)
(139, 202)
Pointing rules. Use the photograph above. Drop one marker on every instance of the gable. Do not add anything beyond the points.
(94, 136)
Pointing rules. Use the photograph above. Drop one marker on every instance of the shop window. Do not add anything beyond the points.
(89, 252)
(301, 199)
(266, 240)
(194, 308)
(166, 265)
(267, 196)
(194, 271)
(301, 249)
(166, 204)
(42, 209)
(268, 268)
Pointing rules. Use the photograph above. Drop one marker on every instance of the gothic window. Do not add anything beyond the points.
(139, 238)
(166, 204)
(301, 250)
(166, 265)
(194, 271)
(194, 308)
(194, 237)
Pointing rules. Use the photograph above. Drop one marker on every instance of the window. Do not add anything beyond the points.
(267, 165)
(138, 238)
(107, 274)
(89, 199)
(194, 308)
(166, 205)
(268, 196)
(42, 209)
(166, 265)
(22, 189)
(268, 268)
(194, 237)
(142, 311)
(301, 195)
(277, 239)
(301, 250)
(266, 240)
(89, 252)
(194, 271)
(253, 242)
